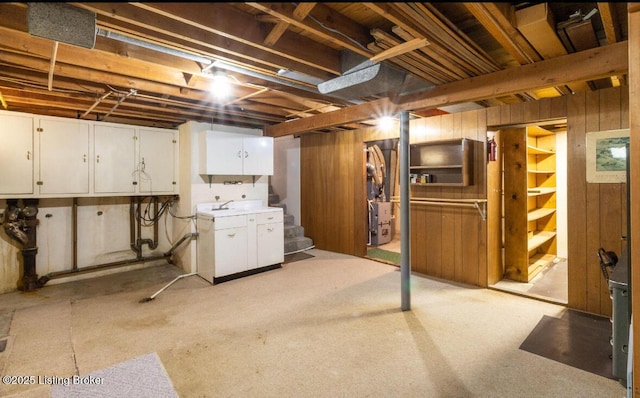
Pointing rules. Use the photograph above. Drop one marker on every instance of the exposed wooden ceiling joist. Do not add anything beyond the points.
(590, 64)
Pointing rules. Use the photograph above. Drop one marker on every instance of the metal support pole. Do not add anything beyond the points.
(405, 227)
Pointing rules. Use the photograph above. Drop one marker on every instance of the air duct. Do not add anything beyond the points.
(62, 22)
(362, 78)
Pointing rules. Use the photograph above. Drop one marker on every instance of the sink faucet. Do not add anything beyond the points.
(225, 203)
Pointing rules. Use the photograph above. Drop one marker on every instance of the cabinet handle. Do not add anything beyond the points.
(270, 218)
(98, 159)
(239, 153)
(231, 235)
(270, 229)
(28, 155)
(246, 154)
(84, 158)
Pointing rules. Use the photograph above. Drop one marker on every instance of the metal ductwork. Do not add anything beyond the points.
(62, 22)
(362, 78)
(20, 224)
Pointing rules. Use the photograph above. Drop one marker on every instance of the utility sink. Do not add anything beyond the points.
(232, 208)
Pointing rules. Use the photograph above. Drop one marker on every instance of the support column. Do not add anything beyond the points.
(405, 221)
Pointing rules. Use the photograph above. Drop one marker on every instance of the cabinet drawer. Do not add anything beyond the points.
(230, 222)
(269, 217)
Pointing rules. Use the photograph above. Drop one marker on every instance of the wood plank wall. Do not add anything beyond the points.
(455, 243)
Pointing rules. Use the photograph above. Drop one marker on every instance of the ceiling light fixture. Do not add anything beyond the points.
(220, 85)
(386, 123)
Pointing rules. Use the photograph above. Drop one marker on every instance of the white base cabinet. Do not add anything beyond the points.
(232, 245)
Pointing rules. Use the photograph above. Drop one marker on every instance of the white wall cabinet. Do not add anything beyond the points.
(114, 157)
(16, 154)
(235, 154)
(64, 156)
(157, 161)
(48, 157)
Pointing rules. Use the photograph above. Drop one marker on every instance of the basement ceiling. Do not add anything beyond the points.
(153, 64)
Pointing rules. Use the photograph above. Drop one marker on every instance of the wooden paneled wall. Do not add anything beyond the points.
(454, 243)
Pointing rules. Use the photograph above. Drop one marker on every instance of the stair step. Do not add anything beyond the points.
(288, 219)
(274, 198)
(280, 205)
(300, 243)
(292, 231)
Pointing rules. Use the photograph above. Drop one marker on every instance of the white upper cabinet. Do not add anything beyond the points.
(258, 156)
(51, 157)
(16, 154)
(235, 154)
(64, 156)
(157, 161)
(114, 159)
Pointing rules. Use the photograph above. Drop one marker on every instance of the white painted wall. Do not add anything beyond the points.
(286, 174)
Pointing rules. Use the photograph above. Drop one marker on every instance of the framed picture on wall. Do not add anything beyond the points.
(607, 156)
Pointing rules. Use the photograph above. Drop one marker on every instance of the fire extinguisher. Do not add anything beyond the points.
(492, 148)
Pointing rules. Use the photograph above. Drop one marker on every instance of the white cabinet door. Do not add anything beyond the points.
(220, 154)
(64, 156)
(156, 169)
(270, 238)
(114, 157)
(270, 244)
(230, 252)
(235, 154)
(258, 156)
(16, 155)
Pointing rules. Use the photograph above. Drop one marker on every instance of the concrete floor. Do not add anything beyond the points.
(327, 326)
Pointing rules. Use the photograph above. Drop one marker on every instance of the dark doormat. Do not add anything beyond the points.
(293, 257)
(577, 339)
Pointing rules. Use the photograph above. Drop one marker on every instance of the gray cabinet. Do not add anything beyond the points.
(440, 163)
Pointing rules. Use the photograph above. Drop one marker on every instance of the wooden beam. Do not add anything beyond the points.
(634, 166)
(284, 12)
(54, 53)
(587, 65)
(232, 24)
(300, 13)
(610, 22)
(503, 31)
(400, 49)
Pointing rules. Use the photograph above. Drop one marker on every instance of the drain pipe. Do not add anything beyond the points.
(167, 255)
(20, 224)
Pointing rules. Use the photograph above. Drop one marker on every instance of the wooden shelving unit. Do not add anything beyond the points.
(530, 202)
(442, 163)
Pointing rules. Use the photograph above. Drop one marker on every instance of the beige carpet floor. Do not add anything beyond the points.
(326, 326)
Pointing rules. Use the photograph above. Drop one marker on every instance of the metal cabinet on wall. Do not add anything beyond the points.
(46, 156)
(63, 148)
(235, 154)
(16, 154)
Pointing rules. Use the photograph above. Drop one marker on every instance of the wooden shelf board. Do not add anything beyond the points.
(453, 166)
(439, 184)
(541, 171)
(540, 191)
(539, 238)
(539, 262)
(539, 213)
(539, 151)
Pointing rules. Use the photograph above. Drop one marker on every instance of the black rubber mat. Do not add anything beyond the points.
(291, 258)
(577, 339)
